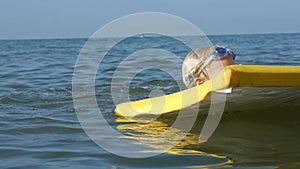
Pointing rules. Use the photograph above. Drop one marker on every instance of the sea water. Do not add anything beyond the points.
(39, 127)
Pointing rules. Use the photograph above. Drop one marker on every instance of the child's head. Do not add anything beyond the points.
(203, 64)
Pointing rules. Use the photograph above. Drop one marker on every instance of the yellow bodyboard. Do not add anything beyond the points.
(231, 76)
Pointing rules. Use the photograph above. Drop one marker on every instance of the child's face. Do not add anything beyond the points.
(213, 69)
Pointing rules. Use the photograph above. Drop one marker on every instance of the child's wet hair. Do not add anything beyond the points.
(193, 61)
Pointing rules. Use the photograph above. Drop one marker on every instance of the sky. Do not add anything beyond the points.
(31, 19)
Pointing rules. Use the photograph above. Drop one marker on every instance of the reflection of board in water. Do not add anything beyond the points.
(259, 127)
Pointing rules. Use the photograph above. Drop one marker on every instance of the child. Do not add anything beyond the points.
(202, 64)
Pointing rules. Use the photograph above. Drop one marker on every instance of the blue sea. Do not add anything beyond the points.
(39, 127)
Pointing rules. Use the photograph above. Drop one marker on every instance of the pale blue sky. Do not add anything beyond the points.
(81, 18)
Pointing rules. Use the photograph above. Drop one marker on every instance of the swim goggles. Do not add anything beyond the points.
(219, 53)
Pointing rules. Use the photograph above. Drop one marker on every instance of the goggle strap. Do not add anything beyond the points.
(207, 61)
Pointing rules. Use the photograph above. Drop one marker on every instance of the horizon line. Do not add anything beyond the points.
(69, 38)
